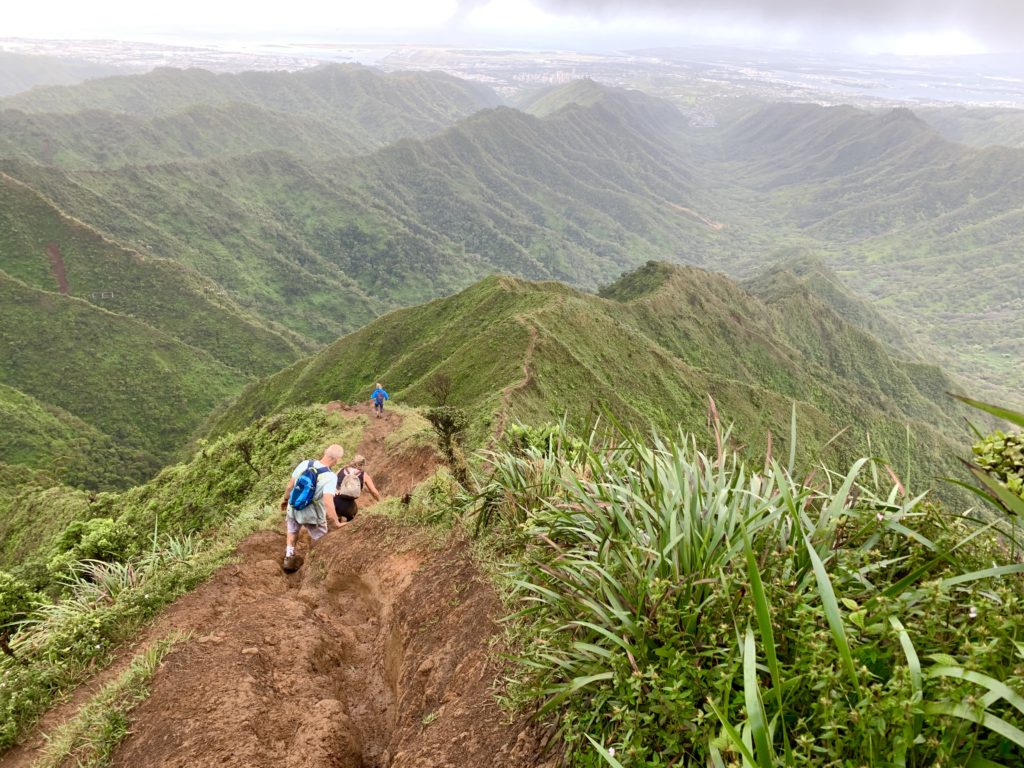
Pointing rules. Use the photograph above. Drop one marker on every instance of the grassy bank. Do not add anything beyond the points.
(688, 609)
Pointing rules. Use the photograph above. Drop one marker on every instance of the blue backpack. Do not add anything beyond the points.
(305, 487)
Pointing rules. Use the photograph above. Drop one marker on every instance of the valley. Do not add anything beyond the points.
(672, 473)
(287, 209)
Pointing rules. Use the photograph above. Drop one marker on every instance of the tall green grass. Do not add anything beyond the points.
(91, 736)
(685, 609)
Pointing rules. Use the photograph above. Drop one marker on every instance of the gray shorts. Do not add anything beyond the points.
(316, 530)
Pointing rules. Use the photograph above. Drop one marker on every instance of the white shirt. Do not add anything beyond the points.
(326, 482)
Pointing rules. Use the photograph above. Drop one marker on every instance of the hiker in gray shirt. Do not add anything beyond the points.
(316, 510)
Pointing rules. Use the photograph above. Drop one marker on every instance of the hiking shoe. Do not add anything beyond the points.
(292, 563)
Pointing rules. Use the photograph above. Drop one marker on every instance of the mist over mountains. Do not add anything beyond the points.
(243, 221)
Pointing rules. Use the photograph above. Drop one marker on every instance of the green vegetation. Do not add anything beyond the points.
(566, 197)
(683, 608)
(159, 292)
(977, 126)
(999, 461)
(143, 388)
(65, 447)
(1002, 456)
(928, 229)
(21, 71)
(154, 348)
(104, 564)
(92, 735)
(170, 115)
(209, 282)
(601, 181)
(216, 218)
(524, 351)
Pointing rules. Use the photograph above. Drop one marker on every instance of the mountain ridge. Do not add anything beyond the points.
(520, 350)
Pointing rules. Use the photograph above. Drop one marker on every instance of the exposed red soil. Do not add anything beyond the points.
(57, 266)
(375, 654)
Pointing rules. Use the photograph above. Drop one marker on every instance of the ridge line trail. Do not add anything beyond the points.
(375, 654)
(506, 392)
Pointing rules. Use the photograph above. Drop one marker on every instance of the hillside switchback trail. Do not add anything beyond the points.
(375, 654)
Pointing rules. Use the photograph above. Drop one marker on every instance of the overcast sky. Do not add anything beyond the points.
(868, 26)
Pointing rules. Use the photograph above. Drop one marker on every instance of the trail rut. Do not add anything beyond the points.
(57, 267)
(375, 654)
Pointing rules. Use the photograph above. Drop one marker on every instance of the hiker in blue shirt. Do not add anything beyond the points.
(379, 396)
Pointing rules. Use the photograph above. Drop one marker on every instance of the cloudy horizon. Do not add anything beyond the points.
(927, 27)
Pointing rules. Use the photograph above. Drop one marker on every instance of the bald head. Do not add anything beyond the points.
(332, 455)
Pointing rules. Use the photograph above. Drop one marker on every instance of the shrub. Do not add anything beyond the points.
(682, 609)
(1002, 456)
(450, 423)
(999, 462)
(100, 538)
(15, 602)
(434, 500)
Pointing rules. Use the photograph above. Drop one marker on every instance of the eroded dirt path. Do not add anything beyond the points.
(374, 655)
(57, 267)
(507, 392)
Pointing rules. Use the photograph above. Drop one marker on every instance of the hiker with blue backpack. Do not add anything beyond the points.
(378, 397)
(309, 502)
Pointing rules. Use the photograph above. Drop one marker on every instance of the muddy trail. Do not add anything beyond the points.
(377, 653)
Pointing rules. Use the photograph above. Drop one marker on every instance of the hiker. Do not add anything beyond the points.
(309, 502)
(379, 396)
(352, 478)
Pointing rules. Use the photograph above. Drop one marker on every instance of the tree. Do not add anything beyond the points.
(450, 424)
(440, 387)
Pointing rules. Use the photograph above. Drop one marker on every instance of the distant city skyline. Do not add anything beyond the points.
(908, 27)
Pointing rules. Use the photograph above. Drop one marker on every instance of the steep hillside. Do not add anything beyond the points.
(103, 139)
(977, 126)
(22, 71)
(46, 249)
(61, 445)
(122, 309)
(140, 386)
(601, 182)
(578, 196)
(168, 114)
(802, 270)
(928, 228)
(519, 350)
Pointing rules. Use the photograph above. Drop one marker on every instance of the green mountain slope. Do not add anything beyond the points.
(580, 196)
(21, 71)
(63, 446)
(929, 229)
(143, 388)
(171, 114)
(49, 251)
(804, 270)
(663, 339)
(977, 126)
(602, 182)
(104, 139)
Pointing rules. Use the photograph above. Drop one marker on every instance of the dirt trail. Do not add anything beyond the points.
(374, 655)
(57, 267)
(716, 225)
(506, 393)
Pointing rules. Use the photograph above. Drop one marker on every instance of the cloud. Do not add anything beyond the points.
(997, 22)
